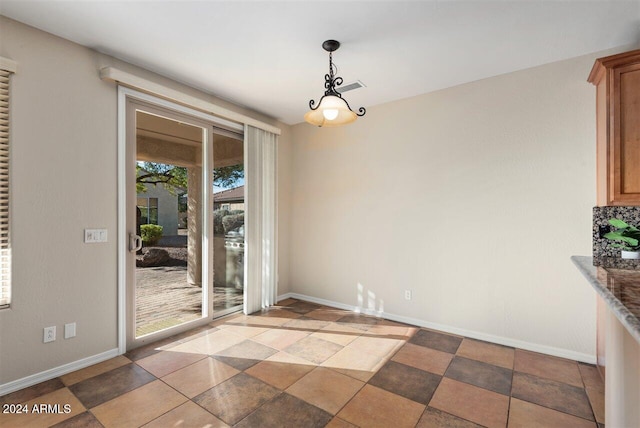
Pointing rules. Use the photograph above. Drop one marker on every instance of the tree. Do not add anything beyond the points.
(174, 177)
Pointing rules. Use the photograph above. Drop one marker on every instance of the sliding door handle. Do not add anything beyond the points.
(135, 242)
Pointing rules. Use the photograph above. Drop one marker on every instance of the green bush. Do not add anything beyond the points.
(231, 222)
(150, 233)
(218, 228)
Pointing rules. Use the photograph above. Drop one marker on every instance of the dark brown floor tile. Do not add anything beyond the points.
(326, 314)
(596, 399)
(237, 363)
(302, 308)
(409, 382)
(591, 377)
(83, 420)
(434, 418)
(487, 376)
(549, 393)
(286, 411)
(548, 367)
(440, 341)
(32, 392)
(358, 321)
(313, 349)
(236, 398)
(104, 387)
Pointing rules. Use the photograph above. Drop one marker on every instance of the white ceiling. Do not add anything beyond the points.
(267, 55)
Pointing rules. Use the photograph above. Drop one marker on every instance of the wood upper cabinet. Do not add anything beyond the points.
(617, 81)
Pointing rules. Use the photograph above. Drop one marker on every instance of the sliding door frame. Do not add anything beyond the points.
(125, 97)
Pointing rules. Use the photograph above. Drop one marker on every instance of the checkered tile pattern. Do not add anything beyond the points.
(305, 365)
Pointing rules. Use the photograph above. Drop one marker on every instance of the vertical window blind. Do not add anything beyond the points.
(5, 243)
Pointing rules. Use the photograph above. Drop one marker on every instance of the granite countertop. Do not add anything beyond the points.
(616, 263)
(619, 288)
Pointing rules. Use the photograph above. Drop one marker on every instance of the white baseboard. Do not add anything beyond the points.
(535, 347)
(36, 378)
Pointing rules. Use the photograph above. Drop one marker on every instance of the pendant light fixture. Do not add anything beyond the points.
(332, 110)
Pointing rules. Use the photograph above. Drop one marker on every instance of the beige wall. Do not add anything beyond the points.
(64, 177)
(472, 197)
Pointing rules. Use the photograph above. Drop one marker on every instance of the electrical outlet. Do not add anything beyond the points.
(70, 330)
(407, 294)
(49, 334)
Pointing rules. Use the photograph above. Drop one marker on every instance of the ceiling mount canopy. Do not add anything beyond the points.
(332, 109)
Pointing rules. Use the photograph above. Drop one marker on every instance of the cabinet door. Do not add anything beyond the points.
(626, 134)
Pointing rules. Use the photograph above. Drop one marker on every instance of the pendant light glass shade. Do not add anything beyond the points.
(332, 111)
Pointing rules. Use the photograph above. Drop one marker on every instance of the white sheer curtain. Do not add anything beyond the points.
(260, 219)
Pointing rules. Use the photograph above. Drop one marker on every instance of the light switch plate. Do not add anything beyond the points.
(70, 330)
(93, 236)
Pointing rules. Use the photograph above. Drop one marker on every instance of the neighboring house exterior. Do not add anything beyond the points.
(159, 206)
(230, 199)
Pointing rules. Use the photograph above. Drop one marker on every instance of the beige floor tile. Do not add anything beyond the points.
(62, 405)
(263, 321)
(339, 423)
(280, 375)
(326, 389)
(280, 314)
(139, 406)
(470, 402)
(374, 407)
(94, 370)
(422, 358)
(548, 367)
(487, 352)
(339, 338)
(395, 331)
(211, 343)
(337, 328)
(185, 416)
(280, 338)
(243, 330)
(313, 349)
(200, 376)
(165, 362)
(364, 354)
(523, 414)
(286, 302)
(285, 357)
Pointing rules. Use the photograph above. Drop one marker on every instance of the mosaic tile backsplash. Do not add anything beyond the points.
(601, 216)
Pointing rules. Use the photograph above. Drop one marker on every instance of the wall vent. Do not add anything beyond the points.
(350, 87)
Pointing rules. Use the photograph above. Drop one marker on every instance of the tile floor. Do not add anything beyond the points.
(303, 365)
